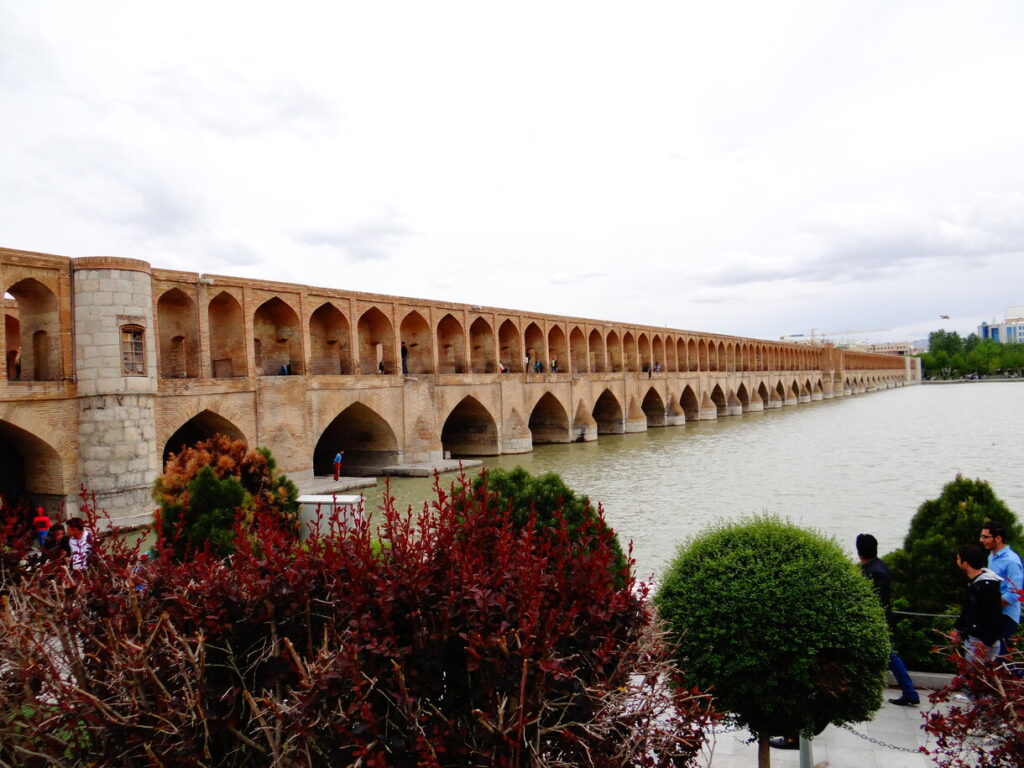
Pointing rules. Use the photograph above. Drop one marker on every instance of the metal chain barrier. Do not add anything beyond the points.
(879, 742)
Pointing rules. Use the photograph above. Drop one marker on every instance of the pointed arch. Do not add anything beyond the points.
(330, 342)
(703, 357)
(178, 330)
(481, 347)
(718, 398)
(451, 346)
(549, 422)
(630, 352)
(510, 348)
(614, 352)
(37, 354)
(536, 349)
(644, 351)
(28, 463)
(202, 426)
(658, 352)
(743, 397)
(608, 414)
(419, 344)
(689, 403)
(578, 351)
(376, 343)
(226, 328)
(470, 430)
(277, 337)
(595, 344)
(558, 350)
(654, 408)
(367, 439)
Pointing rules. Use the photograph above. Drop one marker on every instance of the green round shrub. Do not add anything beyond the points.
(778, 624)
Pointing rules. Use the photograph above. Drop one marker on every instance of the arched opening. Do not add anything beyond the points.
(658, 359)
(730, 357)
(330, 345)
(558, 349)
(549, 423)
(744, 397)
(226, 329)
(415, 332)
(644, 351)
(202, 426)
(32, 332)
(608, 414)
(692, 356)
(723, 361)
(481, 347)
(629, 348)
(690, 404)
(376, 346)
(718, 398)
(179, 335)
(654, 408)
(702, 356)
(368, 441)
(614, 352)
(536, 351)
(276, 326)
(451, 346)
(795, 389)
(470, 430)
(671, 361)
(597, 356)
(30, 468)
(578, 351)
(511, 350)
(762, 392)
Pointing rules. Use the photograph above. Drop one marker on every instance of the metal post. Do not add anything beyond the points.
(806, 756)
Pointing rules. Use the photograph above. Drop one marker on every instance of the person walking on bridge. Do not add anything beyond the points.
(881, 580)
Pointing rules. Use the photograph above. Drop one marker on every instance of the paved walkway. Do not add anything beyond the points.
(838, 748)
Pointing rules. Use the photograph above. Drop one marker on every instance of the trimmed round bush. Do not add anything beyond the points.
(778, 624)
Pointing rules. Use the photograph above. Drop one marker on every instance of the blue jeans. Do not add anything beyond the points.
(899, 671)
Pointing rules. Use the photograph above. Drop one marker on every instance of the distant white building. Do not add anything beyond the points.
(1010, 331)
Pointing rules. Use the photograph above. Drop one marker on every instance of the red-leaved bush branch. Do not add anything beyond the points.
(448, 637)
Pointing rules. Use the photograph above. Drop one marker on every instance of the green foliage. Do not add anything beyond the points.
(779, 624)
(924, 570)
(951, 356)
(520, 493)
(207, 487)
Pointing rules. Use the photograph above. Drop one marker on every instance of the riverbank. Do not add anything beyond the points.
(983, 380)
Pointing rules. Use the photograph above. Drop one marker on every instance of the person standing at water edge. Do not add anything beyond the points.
(979, 624)
(881, 580)
(338, 458)
(1006, 564)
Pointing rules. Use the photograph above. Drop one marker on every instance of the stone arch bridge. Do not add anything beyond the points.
(112, 364)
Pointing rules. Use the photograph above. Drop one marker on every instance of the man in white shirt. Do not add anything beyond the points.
(80, 539)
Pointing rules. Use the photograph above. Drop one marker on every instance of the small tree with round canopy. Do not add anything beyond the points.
(779, 624)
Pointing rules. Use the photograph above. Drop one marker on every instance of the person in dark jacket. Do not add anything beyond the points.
(881, 580)
(980, 622)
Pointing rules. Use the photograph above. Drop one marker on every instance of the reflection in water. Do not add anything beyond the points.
(844, 466)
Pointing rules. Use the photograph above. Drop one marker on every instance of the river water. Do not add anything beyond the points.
(842, 466)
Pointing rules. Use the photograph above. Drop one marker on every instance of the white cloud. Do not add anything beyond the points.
(742, 167)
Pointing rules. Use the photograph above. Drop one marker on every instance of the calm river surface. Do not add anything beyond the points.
(843, 466)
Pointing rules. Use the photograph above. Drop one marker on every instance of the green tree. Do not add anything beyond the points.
(521, 493)
(945, 341)
(924, 573)
(780, 624)
(206, 486)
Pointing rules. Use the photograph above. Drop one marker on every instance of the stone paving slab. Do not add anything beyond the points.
(426, 469)
(839, 748)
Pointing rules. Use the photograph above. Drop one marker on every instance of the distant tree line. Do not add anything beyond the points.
(950, 356)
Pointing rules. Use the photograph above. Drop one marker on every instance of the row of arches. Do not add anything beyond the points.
(31, 332)
(469, 428)
(446, 347)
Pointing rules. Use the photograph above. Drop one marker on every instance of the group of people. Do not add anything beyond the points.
(990, 615)
(69, 542)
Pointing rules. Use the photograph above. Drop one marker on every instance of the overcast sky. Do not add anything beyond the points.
(754, 168)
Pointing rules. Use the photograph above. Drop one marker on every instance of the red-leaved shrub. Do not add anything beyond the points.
(985, 730)
(440, 638)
